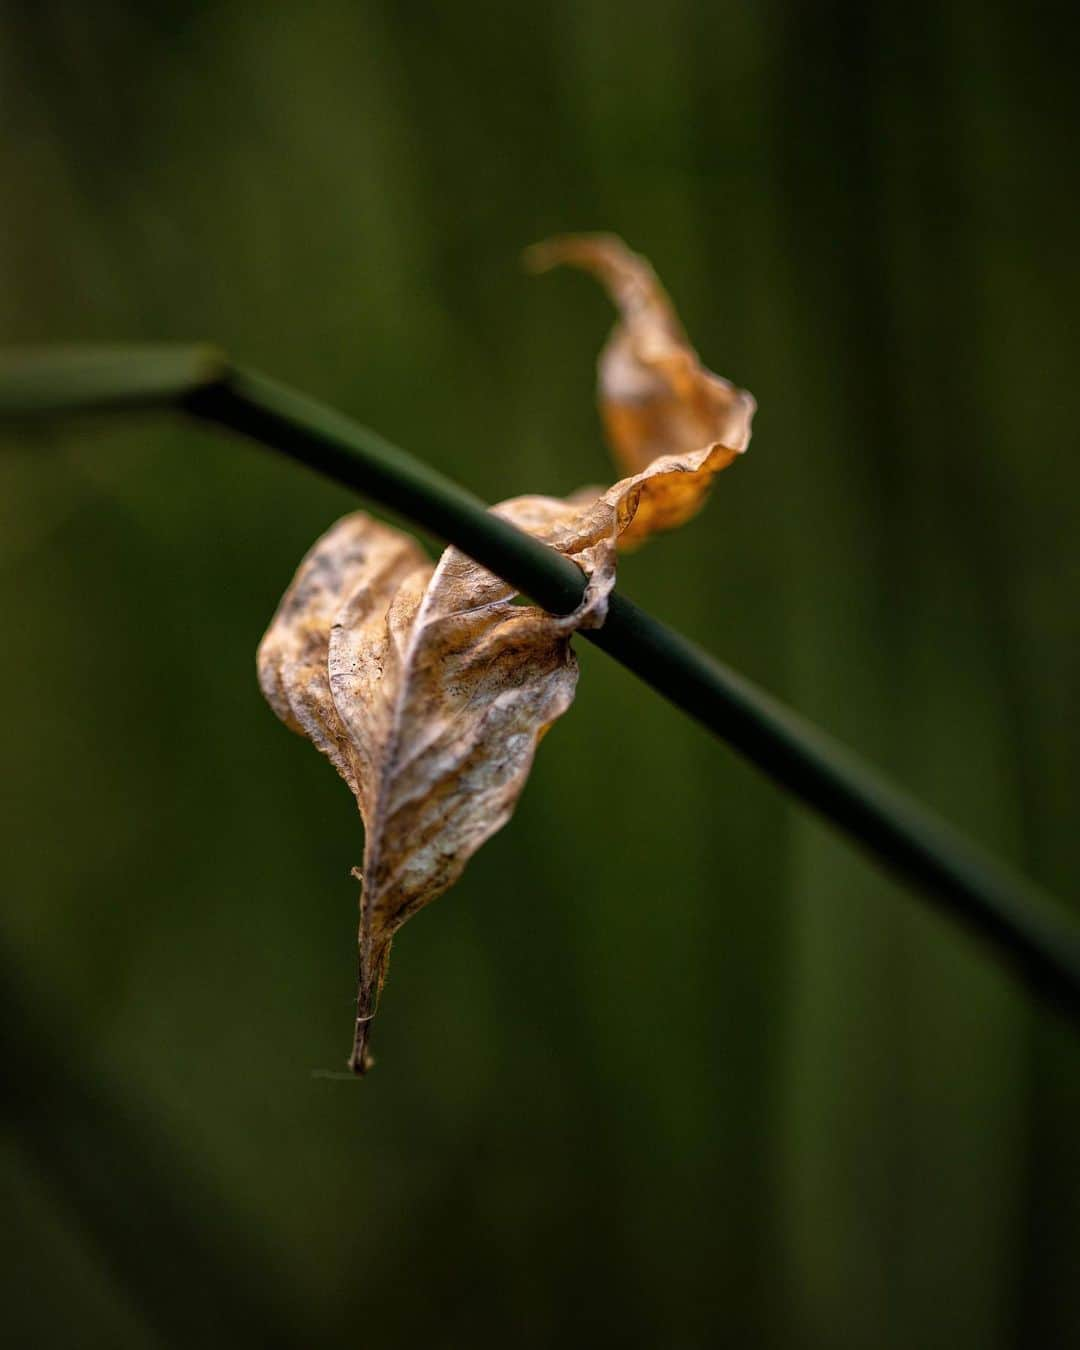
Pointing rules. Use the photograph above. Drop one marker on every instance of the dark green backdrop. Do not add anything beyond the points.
(671, 1066)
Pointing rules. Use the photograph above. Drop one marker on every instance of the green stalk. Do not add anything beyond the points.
(1030, 933)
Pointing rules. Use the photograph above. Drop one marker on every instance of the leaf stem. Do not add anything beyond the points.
(1032, 934)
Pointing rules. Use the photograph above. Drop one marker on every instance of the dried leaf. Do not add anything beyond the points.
(656, 398)
(358, 558)
(429, 688)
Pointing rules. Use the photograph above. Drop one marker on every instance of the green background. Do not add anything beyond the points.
(672, 1066)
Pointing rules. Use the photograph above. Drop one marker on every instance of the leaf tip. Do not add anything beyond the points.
(361, 1061)
(587, 250)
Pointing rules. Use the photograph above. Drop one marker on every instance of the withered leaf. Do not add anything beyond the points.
(429, 688)
(358, 558)
(656, 398)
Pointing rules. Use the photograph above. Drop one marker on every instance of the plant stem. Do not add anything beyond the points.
(1032, 934)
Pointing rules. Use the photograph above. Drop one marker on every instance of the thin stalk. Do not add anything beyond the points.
(1031, 934)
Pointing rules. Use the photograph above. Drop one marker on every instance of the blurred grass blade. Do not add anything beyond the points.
(194, 1273)
(1032, 934)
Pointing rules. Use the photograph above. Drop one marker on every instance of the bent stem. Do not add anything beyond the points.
(1033, 935)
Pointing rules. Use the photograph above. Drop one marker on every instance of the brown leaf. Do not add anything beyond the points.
(429, 688)
(360, 558)
(656, 398)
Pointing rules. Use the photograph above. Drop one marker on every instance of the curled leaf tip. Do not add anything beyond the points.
(581, 249)
(657, 401)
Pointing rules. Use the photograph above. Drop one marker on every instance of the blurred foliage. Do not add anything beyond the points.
(718, 1083)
